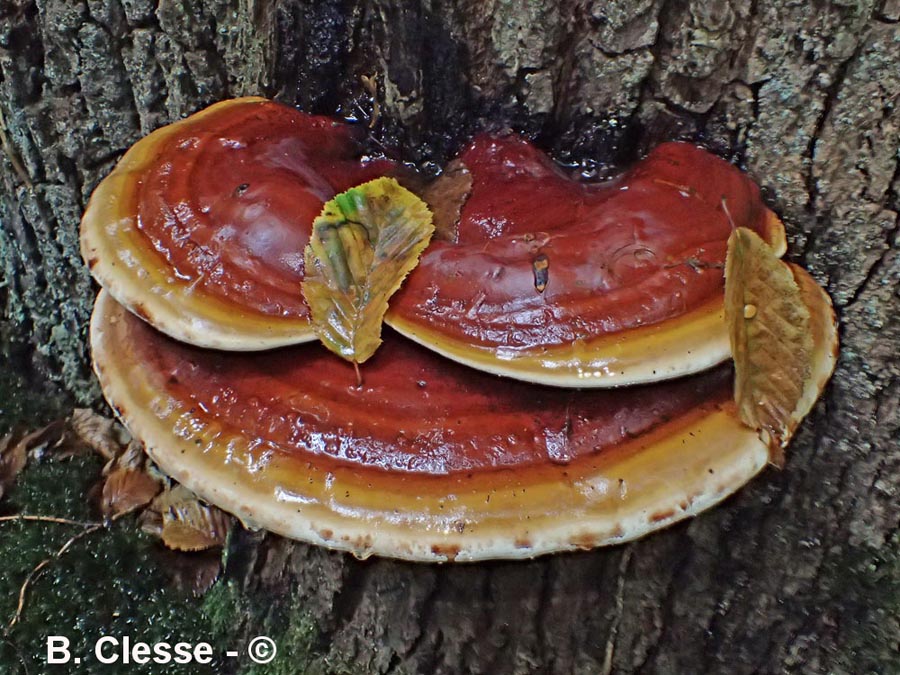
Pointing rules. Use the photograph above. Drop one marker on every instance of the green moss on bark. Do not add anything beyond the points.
(289, 624)
(108, 583)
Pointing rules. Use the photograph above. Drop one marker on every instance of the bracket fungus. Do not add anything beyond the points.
(201, 226)
(201, 229)
(205, 229)
(551, 280)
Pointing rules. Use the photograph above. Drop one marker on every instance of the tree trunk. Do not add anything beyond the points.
(797, 573)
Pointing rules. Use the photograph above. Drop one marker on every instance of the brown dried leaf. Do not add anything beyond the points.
(192, 573)
(446, 197)
(130, 482)
(174, 495)
(150, 522)
(188, 524)
(133, 457)
(771, 340)
(103, 435)
(46, 437)
(194, 527)
(13, 458)
(126, 490)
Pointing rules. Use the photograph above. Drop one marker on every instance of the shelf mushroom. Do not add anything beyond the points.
(201, 227)
(429, 460)
(551, 280)
(564, 287)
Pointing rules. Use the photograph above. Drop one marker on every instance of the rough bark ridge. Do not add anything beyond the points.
(799, 572)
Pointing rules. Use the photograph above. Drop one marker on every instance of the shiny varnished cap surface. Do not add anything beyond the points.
(577, 284)
(201, 227)
(428, 460)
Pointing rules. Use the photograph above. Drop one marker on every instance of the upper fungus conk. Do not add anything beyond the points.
(552, 280)
(201, 229)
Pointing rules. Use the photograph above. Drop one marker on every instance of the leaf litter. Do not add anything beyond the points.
(129, 483)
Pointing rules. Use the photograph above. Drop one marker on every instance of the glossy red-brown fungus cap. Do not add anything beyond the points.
(427, 460)
(201, 228)
(640, 249)
(554, 275)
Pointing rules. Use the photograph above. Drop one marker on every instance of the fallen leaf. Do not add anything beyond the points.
(188, 524)
(103, 435)
(363, 245)
(446, 197)
(133, 457)
(194, 527)
(50, 436)
(130, 482)
(13, 458)
(127, 490)
(191, 573)
(771, 340)
(150, 521)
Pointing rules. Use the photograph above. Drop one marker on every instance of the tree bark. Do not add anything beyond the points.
(797, 573)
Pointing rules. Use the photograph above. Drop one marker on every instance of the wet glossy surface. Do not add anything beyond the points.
(635, 251)
(230, 201)
(416, 412)
(250, 452)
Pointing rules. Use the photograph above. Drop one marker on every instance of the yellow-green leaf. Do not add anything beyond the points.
(771, 340)
(363, 245)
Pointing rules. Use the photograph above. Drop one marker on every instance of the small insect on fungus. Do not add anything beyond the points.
(541, 268)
